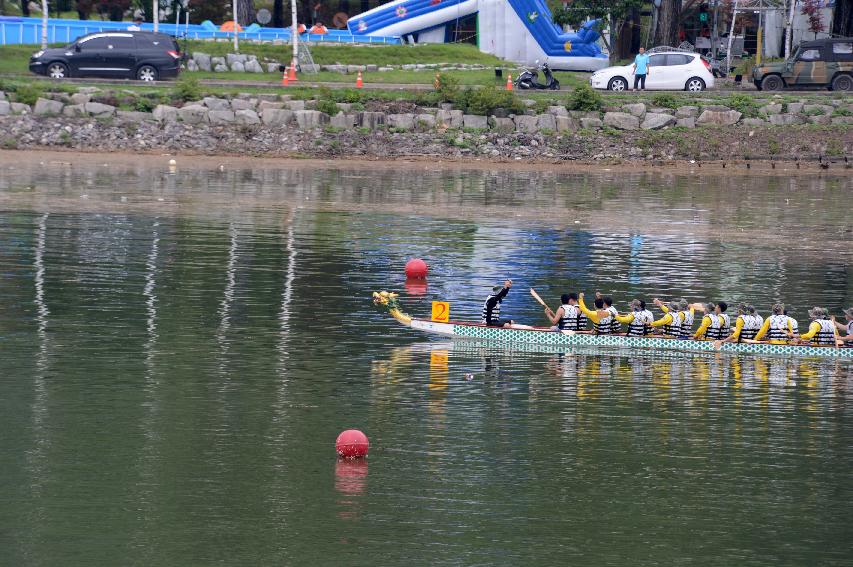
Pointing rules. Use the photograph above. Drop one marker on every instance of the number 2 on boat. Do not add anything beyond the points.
(440, 311)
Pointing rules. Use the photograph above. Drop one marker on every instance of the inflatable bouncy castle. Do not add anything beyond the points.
(517, 30)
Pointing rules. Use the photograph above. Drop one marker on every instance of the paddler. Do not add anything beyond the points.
(711, 327)
(615, 325)
(778, 327)
(492, 306)
(639, 320)
(670, 323)
(747, 325)
(686, 313)
(567, 317)
(821, 331)
(601, 318)
(847, 329)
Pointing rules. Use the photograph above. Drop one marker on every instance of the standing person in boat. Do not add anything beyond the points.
(670, 323)
(847, 329)
(747, 325)
(821, 331)
(567, 317)
(712, 325)
(777, 327)
(601, 318)
(639, 320)
(492, 306)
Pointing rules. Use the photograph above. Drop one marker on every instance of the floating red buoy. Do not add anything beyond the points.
(416, 269)
(352, 443)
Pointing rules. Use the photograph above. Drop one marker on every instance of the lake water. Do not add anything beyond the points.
(179, 352)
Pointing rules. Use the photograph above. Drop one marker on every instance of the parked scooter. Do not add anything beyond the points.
(528, 79)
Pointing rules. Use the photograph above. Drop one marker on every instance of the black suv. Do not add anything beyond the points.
(146, 56)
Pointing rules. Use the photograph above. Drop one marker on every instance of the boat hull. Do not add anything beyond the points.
(546, 337)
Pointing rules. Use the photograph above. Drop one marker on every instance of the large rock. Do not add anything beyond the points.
(837, 120)
(501, 124)
(546, 122)
(100, 110)
(5, 108)
(295, 104)
(686, 122)
(246, 117)
(241, 104)
(656, 121)
(276, 116)
(785, 119)
(526, 123)
(450, 118)
(638, 110)
(193, 114)
(2, 95)
(164, 113)
(220, 68)
(769, 109)
(75, 110)
(238, 66)
(253, 66)
(686, 111)
(821, 119)
(309, 119)
(475, 121)
(344, 120)
(371, 120)
(753, 122)
(214, 103)
(795, 107)
(621, 120)
(133, 116)
(47, 106)
(813, 109)
(590, 123)
(232, 58)
(718, 118)
(192, 65)
(220, 116)
(214, 61)
(202, 60)
(425, 121)
(400, 121)
(273, 67)
(716, 108)
(265, 104)
(558, 110)
(566, 124)
(80, 98)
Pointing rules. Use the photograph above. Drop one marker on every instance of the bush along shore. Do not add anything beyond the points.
(474, 124)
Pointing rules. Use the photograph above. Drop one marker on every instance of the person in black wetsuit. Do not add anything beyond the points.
(492, 306)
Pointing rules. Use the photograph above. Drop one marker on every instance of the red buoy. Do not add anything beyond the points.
(416, 269)
(352, 443)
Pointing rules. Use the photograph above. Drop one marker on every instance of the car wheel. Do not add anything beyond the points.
(694, 85)
(617, 84)
(146, 73)
(842, 83)
(772, 83)
(57, 70)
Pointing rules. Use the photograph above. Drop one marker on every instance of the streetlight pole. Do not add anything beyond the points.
(234, 9)
(156, 11)
(44, 24)
(294, 32)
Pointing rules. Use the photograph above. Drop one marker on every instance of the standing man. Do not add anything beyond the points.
(492, 306)
(640, 69)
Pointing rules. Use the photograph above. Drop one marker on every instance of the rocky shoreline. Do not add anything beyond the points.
(271, 125)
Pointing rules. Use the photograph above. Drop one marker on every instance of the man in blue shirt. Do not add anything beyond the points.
(641, 69)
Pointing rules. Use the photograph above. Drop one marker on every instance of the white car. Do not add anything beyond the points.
(668, 70)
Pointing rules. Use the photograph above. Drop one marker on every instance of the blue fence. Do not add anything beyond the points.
(16, 31)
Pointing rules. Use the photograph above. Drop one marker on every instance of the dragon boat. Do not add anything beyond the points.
(545, 337)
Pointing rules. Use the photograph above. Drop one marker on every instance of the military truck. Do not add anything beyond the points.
(819, 63)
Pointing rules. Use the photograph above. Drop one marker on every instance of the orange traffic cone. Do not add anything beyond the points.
(358, 81)
(509, 82)
(291, 77)
(284, 81)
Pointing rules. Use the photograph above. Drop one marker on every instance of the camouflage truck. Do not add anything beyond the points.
(819, 63)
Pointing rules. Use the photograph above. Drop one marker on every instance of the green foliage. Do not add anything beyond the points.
(745, 104)
(327, 106)
(187, 88)
(586, 99)
(447, 88)
(485, 100)
(28, 93)
(841, 111)
(143, 104)
(665, 100)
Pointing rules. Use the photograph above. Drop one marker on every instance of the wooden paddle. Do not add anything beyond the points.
(539, 299)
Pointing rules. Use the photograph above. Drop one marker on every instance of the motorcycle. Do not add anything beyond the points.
(529, 79)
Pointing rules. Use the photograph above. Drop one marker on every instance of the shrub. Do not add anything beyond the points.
(351, 96)
(744, 104)
(187, 88)
(143, 104)
(665, 100)
(28, 93)
(447, 88)
(586, 99)
(484, 101)
(327, 106)
(841, 111)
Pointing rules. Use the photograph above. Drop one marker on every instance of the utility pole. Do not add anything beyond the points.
(44, 24)
(156, 14)
(731, 36)
(294, 32)
(234, 9)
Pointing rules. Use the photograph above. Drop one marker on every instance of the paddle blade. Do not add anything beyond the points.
(536, 297)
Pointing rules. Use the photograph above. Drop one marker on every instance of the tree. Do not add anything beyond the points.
(25, 8)
(669, 15)
(616, 12)
(245, 12)
(215, 11)
(842, 24)
(278, 13)
(811, 9)
(114, 9)
(84, 8)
